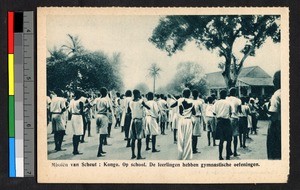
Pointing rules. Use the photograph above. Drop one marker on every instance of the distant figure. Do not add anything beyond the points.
(243, 122)
(162, 105)
(175, 119)
(126, 116)
(197, 120)
(118, 110)
(210, 121)
(254, 114)
(222, 110)
(87, 117)
(274, 130)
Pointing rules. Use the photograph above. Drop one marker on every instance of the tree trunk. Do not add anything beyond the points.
(154, 85)
(230, 80)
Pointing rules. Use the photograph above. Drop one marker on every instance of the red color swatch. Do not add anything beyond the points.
(10, 32)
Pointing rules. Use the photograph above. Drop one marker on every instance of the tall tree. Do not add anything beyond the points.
(83, 69)
(218, 33)
(190, 75)
(73, 46)
(154, 72)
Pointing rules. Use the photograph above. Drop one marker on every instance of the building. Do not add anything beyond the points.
(252, 80)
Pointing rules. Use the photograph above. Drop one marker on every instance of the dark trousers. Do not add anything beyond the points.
(76, 140)
(127, 125)
(102, 137)
(254, 124)
(86, 126)
(274, 141)
(194, 143)
(58, 139)
(175, 135)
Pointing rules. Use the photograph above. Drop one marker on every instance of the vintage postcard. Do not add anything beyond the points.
(163, 95)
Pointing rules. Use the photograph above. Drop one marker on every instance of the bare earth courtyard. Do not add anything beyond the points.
(256, 148)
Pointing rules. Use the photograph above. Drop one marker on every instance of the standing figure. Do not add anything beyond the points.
(235, 104)
(197, 120)
(110, 115)
(118, 110)
(175, 120)
(243, 122)
(57, 109)
(76, 110)
(185, 126)
(162, 104)
(274, 130)
(222, 110)
(210, 121)
(126, 116)
(151, 122)
(136, 131)
(253, 112)
(87, 117)
(170, 101)
(102, 106)
(48, 102)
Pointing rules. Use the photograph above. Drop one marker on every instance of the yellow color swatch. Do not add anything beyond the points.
(11, 75)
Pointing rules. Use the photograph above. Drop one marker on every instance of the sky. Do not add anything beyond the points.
(129, 35)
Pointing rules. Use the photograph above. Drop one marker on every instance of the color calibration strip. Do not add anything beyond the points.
(21, 93)
(11, 96)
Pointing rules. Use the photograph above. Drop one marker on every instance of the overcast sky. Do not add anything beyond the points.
(129, 35)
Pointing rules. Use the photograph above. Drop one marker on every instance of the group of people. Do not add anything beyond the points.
(228, 119)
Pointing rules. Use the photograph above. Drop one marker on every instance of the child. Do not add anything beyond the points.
(243, 122)
(210, 121)
(185, 125)
(136, 131)
(151, 123)
(175, 118)
(162, 105)
(222, 110)
(76, 110)
(126, 116)
(197, 120)
(102, 108)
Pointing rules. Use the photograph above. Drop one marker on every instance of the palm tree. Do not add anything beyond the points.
(154, 71)
(74, 47)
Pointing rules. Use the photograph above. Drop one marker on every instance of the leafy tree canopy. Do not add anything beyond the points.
(217, 33)
(190, 75)
(84, 70)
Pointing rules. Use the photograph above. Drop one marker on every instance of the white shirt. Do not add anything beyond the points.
(234, 103)
(276, 103)
(153, 112)
(74, 106)
(57, 104)
(102, 105)
(48, 102)
(136, 109)
(126, 103)
(222, 109)
(162, 104)
(245, 110)
(198, 106)
(209, 110)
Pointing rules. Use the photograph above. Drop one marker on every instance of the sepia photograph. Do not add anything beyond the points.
(174, 86)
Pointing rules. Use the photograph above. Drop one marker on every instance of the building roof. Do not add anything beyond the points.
(249, 76)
